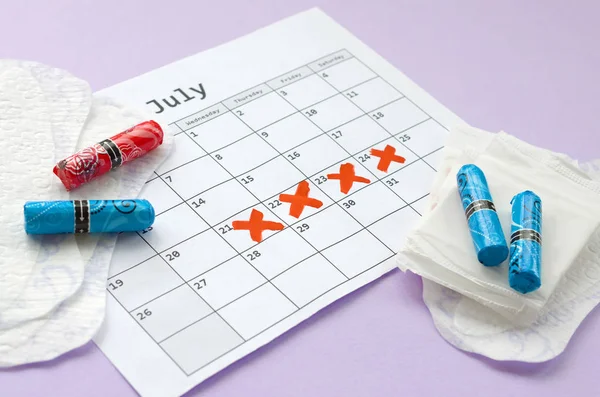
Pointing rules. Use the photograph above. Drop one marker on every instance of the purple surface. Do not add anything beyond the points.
(531, 70)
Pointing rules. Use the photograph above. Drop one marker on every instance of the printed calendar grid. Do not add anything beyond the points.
(270, 213)
(269, 327)
(275, 233)
(278, 274)
(212, 153)
(349, 195)
(293, 148)
(316, 211)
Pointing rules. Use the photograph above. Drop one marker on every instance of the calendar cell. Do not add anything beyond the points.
(412, 182)
(372, 161)
(347, 74)
(327, 227)
(222, 201)
(424, 138)
(359, 134)
(257, 311)
(307, 92)
(160, 195)
(171, 312)
(357, 253)
(247, 96)
(264, 111)
(201, 343)
(240, 239)
(143, 283)
(421, 205)
(282, 209)
(174, 226)
(219, 132)
(399, 116)
(245, 155)
(290, 77)
(273, 177)
(201, 117)
(316, 154)
(195, 177)
(332, 188)
(435, 159)
(129, 251)
(274, 255)
(227, 282)
(372, 203)
(372, 94)
(198, 254)
(308, 280)
(330, 60)
(393, 228)
(290, 132)
(182, 152)
(332, 112)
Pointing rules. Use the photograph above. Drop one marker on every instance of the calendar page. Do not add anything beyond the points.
(301, 159)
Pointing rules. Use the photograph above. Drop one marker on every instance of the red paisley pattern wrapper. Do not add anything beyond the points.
(101, 157)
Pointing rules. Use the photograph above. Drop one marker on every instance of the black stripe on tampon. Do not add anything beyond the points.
(77, 213)
(113, 151)
(526, 234)
(479, 205)
(82, 216)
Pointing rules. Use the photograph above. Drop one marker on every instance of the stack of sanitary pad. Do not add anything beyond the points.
(473, 306)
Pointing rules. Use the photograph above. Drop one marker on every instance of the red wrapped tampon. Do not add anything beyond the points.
(103, 156)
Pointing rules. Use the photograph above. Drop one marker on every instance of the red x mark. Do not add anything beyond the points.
(347, 177)
(300, 199)
(256, 225)
(386, 156)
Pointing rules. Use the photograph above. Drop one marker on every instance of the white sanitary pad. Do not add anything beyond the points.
(27, 126)
(53, 288)
(472, 306)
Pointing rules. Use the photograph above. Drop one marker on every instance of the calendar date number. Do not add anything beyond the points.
(404, 138)
(173, 255)
(363, 158)
(225, 229)
(391, 182)
(197, 203)
(348, 204)
(247, 179)
(116, 284)
(378, 115)
(144, 314)
(303, 227)
(274, 204)
(293, 155)
(320, 179)
(253, 255)
(336, 134)
(200, 284)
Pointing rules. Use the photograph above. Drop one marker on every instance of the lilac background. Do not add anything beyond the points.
(528, 67)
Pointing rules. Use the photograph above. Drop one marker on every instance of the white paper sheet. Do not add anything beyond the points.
(254, 118)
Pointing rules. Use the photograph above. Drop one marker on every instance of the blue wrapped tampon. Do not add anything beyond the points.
(87, 216)
(484, 224)
(525, 264)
